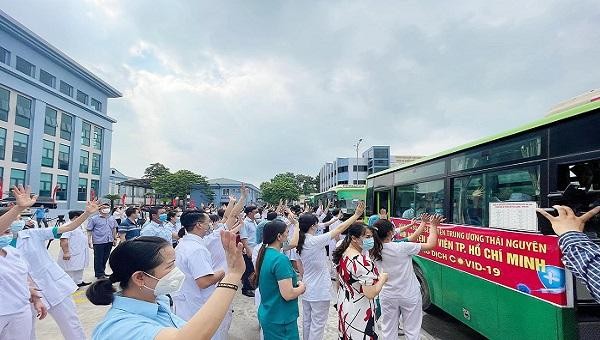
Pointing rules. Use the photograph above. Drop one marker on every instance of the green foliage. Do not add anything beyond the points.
(287, 186)
(179, 184)
(112, 198)
(155, 170)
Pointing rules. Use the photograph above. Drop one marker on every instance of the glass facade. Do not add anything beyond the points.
(23, 114)
(64, 153)
(82, 190)
(50, 122)
(47, 153)
(62, 182)
(4, 104)
(84, 162)
(45, 185)
(20, 147)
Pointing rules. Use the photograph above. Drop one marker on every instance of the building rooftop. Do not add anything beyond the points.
(227, 181)
(9, 24)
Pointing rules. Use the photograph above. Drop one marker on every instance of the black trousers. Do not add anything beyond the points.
(246, 285)
(101, 254)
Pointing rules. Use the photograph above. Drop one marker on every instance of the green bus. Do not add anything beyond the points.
(497, 267)
(344, 197)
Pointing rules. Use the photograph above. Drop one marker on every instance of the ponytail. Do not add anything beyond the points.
(305, 222)
(100, 293)
(181, 232)
(381, 230)
(259, 262)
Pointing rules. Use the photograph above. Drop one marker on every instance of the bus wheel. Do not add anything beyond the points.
(425, 292)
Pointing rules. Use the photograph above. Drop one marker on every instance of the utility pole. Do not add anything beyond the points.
(357, 145)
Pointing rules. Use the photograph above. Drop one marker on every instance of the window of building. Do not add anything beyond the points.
(97, 104)
(98, 131)
(342, 182)
(82, 190)
(23, 116)
(4, 56)
(45, 185)
(95, 188)
(63, 156)
(48, 153)
(2, 142)
(4, 104)
(225, 192)
(381, 162)
(50, 122)
(381, 153)
(82, 97)
(471, 195)
(95, 164)
(359, 168)
(17, 177)
(20, 142)
(341, 169)
(86, 132)
(506, 152)
(66, 88)
(66, 126)
(62, 184)
(84, 162)
(25, 67)
(47, 78)
(2, 175)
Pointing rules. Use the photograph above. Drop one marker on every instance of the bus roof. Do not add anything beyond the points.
(535, 124)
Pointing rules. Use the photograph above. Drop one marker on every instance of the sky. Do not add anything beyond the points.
(248, 89)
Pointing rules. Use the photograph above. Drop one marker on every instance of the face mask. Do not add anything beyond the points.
(257, 216)
(368, 244)
(17, 226)
(162, 217)
(5, 240)
(168, 284)
(105, 211)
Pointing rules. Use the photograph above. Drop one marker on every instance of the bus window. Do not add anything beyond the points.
(429, 198)
(472, 194)
(404, 201)
(415, 199)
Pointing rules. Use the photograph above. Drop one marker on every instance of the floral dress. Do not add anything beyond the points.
(356, 313)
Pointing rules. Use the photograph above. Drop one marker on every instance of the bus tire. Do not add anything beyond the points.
(425, 291)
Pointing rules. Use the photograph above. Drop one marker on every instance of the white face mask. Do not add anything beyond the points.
(105, 211)
(257, 216)
(168, 284)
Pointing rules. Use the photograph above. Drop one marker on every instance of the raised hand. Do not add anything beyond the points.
(567, 220)
(436, 220)
(360, 209)
(92, 206)
(233, 250)
(23, 197)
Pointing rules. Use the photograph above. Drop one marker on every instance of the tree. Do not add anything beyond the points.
(306, 184)
(155, 170)
(112, 198)
(179, 184)
(288, 186)
(318, 183)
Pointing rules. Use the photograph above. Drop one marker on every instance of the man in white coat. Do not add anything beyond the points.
(74, 255)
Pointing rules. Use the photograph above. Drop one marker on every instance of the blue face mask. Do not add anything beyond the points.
(368, 244)
(17, 226)
(162, 217)
(5, 240)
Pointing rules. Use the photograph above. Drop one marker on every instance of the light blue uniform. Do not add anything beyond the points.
(131, 319)
(159, 230)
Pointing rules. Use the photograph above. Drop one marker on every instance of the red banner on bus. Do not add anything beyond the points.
(529, 263)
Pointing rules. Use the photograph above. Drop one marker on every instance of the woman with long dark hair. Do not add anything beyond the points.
(278, 285)
(401, 294)
(145, 269)
(359, 284)
(311, 248)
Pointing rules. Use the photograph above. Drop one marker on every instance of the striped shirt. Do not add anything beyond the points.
(582, 257)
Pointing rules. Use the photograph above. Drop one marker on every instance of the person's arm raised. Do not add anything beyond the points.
(23, 200)
(433, 232)
(360, 209)
(204, 324)
(229, 207)
(90, 209)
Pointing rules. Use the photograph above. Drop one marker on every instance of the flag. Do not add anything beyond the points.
(123, 199)
(174, 202)
(56, 188)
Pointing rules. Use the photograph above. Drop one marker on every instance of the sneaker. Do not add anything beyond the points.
(248, 293)
(83, 284)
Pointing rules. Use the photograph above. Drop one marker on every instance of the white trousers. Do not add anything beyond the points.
(16, 326)
(314, 319)
(65, 316)
(76, 275)
(412, 317)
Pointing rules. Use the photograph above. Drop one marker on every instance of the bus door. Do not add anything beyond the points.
(382, 200)
(575, 182)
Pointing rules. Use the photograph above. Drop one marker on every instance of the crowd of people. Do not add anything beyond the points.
(175, 274)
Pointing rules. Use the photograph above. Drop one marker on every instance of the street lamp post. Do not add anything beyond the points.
(357, 145)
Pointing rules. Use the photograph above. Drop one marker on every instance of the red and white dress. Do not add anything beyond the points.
(356, 313)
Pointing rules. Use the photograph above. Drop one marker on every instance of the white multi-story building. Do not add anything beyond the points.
(55, 132)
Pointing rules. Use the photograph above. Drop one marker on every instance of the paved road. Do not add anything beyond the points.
(245, 324)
